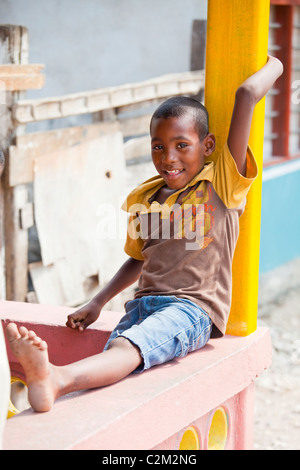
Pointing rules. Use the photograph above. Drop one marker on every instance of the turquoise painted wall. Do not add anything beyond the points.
(280, 222)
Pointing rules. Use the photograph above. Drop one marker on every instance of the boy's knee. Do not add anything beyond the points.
(124, 344)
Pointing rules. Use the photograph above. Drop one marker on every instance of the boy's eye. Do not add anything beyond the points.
(182, 145)
(157, 147)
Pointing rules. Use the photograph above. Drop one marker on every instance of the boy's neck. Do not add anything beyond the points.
(163, 193)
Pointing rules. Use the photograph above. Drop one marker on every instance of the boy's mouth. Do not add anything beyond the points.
(174, 172)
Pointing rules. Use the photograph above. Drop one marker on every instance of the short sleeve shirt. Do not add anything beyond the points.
(187, 243)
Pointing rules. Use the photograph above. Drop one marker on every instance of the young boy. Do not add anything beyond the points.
(182, 233)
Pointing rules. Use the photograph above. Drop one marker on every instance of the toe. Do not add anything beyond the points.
(36, 340)
(43, 345)
(31, 334)
(12, 332)
(23, 331)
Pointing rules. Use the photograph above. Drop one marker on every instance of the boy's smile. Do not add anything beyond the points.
(177, 152)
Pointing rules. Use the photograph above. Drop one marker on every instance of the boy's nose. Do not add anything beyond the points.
(169, 156)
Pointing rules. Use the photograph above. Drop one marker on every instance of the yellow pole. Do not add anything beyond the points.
(237, 44)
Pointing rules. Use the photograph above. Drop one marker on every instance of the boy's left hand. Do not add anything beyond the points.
(83, 317)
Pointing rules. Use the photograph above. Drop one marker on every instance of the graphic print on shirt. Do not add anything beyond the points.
(198, 219)
(191, 220)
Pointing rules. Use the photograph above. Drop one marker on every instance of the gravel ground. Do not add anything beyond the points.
(277, 404)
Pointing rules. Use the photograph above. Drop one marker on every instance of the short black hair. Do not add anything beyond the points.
(178, 106)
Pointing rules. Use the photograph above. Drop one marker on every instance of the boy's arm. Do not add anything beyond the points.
(247, 96)
(125, 277)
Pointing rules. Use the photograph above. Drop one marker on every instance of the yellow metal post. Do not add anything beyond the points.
(237, 44)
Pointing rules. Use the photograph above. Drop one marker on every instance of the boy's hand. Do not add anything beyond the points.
(278, 62)
(84, 317)
(127, 275)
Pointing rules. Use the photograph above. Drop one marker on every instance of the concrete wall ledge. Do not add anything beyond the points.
(141, 412)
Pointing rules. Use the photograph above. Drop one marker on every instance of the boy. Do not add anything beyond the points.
(183, 262)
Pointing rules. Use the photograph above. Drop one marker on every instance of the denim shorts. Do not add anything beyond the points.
(163, 328)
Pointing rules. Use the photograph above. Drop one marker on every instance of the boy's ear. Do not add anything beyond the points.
(210, 144)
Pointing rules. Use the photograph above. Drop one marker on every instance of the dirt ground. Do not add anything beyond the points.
(277, 404)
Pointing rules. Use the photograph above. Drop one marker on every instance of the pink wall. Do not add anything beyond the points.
(146, 411)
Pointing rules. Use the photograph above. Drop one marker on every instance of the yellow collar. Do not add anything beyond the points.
(138, 199)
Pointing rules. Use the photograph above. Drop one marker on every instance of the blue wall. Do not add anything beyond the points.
(280, 223)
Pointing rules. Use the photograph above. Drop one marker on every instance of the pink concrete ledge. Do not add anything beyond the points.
(49, 322)
(142, 411)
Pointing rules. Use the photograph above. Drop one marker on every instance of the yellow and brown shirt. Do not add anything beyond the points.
(188, 242)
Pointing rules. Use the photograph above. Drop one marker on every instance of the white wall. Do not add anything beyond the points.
(86, 44)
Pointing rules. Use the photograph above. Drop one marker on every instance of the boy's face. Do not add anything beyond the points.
(177, 152)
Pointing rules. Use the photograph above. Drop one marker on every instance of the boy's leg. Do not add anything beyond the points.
(47, 382)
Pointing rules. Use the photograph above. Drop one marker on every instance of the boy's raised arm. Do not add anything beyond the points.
(247, 96)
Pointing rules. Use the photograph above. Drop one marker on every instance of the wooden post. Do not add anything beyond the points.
(14, 50)
(198, 50)
(198, 45)
(237, 44)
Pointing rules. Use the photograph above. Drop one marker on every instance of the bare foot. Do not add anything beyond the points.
(32, 353)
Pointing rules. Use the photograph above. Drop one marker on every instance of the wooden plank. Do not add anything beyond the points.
(21, 69)
(14, 49)
(23, 82)
(26, 216)
(30, 147)
(138, 147)
(198, 45)
(113, 97)
(76, 204)
(16, 244)
(135, 126)
(46, 283)
(65, 137)
(21, 77)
